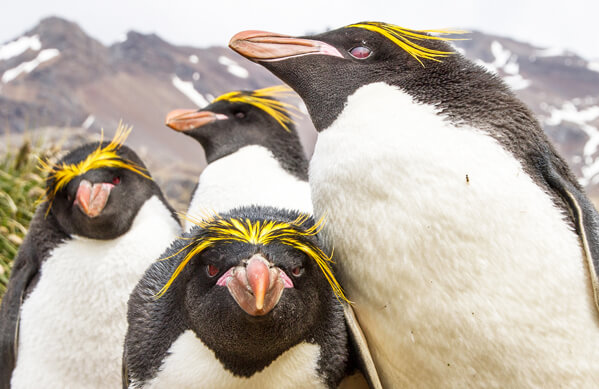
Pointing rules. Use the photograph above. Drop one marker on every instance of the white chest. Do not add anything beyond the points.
(250, 176)
(73, 323)
(457, 281)
(191, 365)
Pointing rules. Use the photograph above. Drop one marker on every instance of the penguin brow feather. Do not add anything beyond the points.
(259, 232)
(404, 38)
(262, 99)
(101, 157)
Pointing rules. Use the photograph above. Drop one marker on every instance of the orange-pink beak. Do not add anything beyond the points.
(262, 46)
(92, 199)
(257, 286)
(188, 119)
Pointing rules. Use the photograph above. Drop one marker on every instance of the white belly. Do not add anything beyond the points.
(250, 176)
(192, 365)
(456, 283)
(73, 323)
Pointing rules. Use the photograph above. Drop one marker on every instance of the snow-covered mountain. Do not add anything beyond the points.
(55, 74)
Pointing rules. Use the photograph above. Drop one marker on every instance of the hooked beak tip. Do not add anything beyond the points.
(188, 119)
(91, 199)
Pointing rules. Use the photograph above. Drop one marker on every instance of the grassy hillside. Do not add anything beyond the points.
(21, 185)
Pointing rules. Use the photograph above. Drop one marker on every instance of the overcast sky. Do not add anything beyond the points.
(550, 23)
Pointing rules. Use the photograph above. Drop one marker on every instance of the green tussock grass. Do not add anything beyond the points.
(21, 185)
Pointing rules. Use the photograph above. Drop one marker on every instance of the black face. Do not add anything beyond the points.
(240, 340)
(348, 58)
(126, 192)
(203, 298)
(239, 125)
(224, 127)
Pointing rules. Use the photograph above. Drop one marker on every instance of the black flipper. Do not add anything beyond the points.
(585, 219)
(360, 346)
(24, 272)
(43, 236)
(125, 369)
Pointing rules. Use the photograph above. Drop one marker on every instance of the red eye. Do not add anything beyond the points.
(212, 270)
(116, 180)
(297, 271)
(360, 52)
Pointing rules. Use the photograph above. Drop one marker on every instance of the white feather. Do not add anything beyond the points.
(250, 176)
(457, 283)
(192, 365)
(73, 323)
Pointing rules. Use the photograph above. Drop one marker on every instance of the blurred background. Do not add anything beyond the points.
(70, 68)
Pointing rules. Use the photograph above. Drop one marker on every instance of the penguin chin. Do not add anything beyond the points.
(110, 223)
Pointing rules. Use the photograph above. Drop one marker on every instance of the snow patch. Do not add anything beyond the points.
(121, 38)
(87, 123)
(486, 65)
(233, 67)
(502, 56)
(551, 52)
(194, 58)
(195, 76)
(19, 46)
(187, 88)
(28, 67)
(593, 65)
(516, 82)
(570, 113)
(505, 62)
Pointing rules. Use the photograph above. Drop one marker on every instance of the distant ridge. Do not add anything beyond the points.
(57, 75)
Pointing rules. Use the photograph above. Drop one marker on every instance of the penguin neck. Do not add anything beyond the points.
(251, 362)
(285, 147)
(466, 94)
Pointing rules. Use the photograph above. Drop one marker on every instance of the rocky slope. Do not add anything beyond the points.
(57, 75)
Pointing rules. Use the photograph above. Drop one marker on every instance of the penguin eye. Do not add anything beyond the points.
(360, 52)
(239, 115)
(297, 271)
(212, 270)
(116, 180)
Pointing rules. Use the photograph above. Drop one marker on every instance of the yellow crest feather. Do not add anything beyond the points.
(404, 38)
(262, 233)
(101, 157)
(281, 111)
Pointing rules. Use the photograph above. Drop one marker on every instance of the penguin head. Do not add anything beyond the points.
(325, 69)
(96, 190)
(253, 283)
(237, 119)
